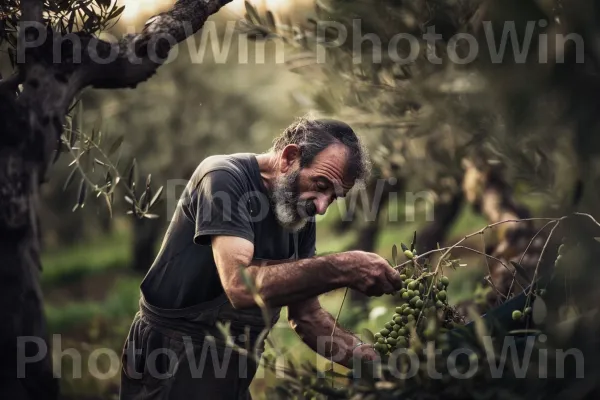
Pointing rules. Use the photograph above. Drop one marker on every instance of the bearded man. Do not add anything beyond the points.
(253, 213)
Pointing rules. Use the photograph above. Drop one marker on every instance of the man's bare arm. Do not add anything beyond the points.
(315, 325)
(294, 281)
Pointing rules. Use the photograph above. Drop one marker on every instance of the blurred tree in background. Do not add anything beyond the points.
(506, 115)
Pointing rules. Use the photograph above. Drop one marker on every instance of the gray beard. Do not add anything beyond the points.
(285, 199)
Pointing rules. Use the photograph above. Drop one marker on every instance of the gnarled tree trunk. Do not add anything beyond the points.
(31, 122)
(487, 190)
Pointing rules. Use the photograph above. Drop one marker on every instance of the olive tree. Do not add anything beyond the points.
(56, 54)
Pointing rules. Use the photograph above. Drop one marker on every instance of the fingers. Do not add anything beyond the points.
(394, 278)
(384, 278)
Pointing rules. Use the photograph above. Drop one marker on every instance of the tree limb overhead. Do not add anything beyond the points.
(140, 55)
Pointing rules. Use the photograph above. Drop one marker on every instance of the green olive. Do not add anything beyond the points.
(517, 315)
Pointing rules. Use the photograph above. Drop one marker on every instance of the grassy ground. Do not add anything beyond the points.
(91, 298)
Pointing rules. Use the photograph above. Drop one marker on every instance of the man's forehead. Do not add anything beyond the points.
(332, 163)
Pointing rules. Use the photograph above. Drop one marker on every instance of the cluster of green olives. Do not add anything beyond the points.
(424, 300)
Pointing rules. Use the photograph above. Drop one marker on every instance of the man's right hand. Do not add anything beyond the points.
(369, 273)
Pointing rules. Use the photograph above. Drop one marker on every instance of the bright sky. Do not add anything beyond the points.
(135, 9)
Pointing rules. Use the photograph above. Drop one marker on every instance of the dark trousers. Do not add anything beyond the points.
(161, 363)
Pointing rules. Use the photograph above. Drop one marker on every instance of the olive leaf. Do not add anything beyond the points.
(368, 336)
(132, 176)
(252, 14)
(156, 196)
(414, 242)
(395, 255)
(116, 145)
(271, 21)
(69, 179)
(82, 195)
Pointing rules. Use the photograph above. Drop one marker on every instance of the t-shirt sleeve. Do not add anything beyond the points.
(218, 207)
(308, 238)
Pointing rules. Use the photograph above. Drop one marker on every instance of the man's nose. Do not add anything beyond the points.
(322, 203)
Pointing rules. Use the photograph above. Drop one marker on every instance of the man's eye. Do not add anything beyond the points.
(322, 186)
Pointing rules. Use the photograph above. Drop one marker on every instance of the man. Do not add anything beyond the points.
(242, 218)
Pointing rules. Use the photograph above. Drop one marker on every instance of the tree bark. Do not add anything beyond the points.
(31, 122)
(487, 190)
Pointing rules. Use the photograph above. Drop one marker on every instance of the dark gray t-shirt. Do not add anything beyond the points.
(225, 196)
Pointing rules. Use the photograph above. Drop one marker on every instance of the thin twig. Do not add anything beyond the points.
(487, 263)
(481, 231)
(589, 216)
(335, 323)
(488, 279)
(542, 253)
(463, 248)
(525, 252)
(534, 236)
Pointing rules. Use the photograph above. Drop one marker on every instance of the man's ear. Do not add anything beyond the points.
(289, 156)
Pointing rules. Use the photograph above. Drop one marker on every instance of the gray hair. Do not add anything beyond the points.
(315, 135)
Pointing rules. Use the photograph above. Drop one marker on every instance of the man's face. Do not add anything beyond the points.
(301, 193)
